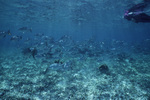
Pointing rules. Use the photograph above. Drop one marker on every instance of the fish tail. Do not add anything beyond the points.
(4, 36)
(30, 29)
(9, 32)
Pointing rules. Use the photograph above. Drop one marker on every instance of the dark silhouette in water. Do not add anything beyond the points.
(137, 14)
(146, 0)
(16, 38)
(104, 69)
(30, 51)
(25, 29)
(34, 52)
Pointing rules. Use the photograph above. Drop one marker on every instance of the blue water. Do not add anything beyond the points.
(80, 19)
(84, 34)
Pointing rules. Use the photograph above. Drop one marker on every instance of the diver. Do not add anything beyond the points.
(137, 13)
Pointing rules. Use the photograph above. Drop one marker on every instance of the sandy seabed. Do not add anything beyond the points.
(75, 76)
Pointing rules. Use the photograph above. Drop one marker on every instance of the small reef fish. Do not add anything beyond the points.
(33, 52)
(25, 29)
(16, 38)
(39, 34)
(30, 51)
(3, 33)
(61, 66)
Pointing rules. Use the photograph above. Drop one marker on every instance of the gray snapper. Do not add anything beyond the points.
(25, 29)
(16, 38)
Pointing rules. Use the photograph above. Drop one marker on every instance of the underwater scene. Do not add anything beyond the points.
(74, 49)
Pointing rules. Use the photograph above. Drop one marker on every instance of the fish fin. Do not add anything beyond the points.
(33, 56)
(4, 36)
(30, 29)
(9, 32)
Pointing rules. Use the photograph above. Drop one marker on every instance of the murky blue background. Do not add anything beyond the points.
(82, 19)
